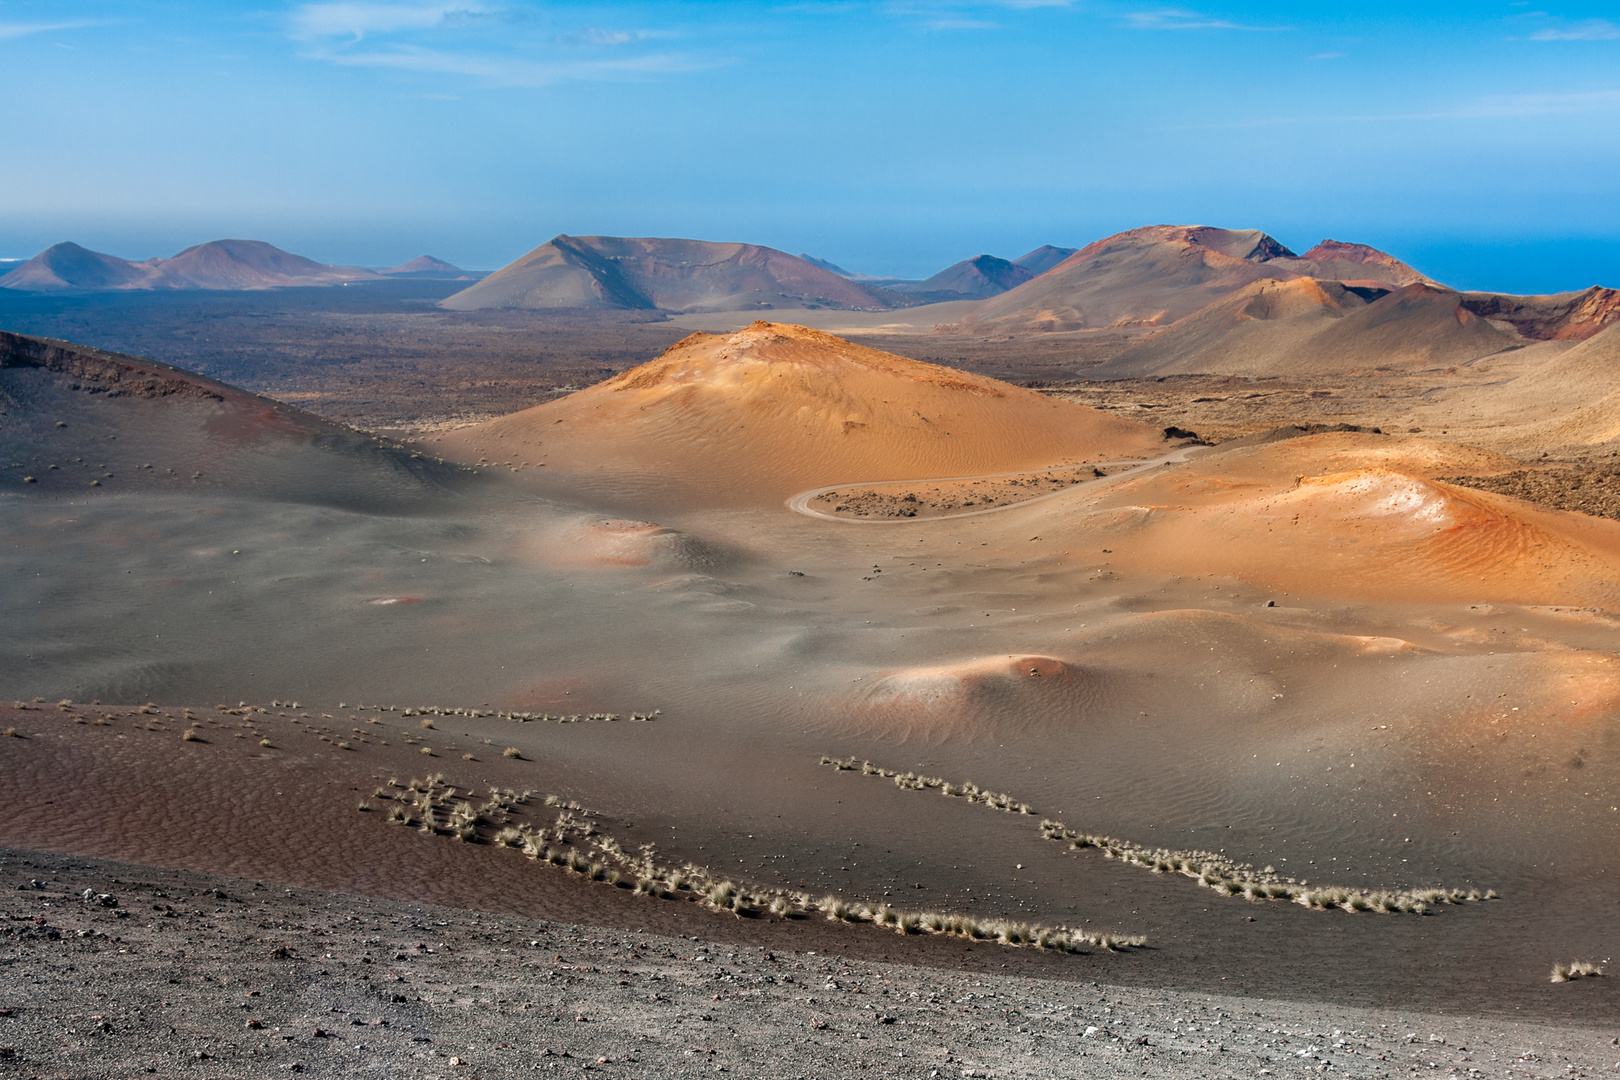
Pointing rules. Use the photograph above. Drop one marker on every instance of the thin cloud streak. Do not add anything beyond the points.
(1180, 19)
(595, 35)
(17, 30)
(501, 71)
(1590, 30)
(959, 24)
(356, 19)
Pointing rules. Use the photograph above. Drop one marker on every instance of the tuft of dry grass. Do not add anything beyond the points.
(910, 781)
(1228, 878)
(1576, 969)
(512, 752)
(191, 735)
(579, 846)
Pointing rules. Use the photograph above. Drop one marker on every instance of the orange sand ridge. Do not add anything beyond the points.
(1348, 515)
(774, 409)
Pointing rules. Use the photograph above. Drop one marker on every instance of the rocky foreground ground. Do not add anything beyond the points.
(108, 970)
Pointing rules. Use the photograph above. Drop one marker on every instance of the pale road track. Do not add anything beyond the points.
(800, 503)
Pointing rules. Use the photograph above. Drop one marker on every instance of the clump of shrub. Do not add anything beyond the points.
(575, 843)
(1229, 878)
(1577, 969)
(910, 781)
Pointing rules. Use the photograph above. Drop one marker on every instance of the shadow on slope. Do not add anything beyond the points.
(76, 422)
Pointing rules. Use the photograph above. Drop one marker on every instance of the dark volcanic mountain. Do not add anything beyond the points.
(977, 278)
(648, 274)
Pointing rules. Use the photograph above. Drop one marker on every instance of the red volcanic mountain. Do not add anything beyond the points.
(1153, 276)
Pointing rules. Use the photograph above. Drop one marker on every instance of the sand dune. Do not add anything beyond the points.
(990, 697)
(599, 543)
(1351, 515)
(774, 409)
(662, 274)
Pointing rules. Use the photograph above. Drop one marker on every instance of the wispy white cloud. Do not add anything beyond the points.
(1180, 19)
(1589, 30)
(472, 39)
(595, 35)
(357, 19)
(821, 7)
(1326, 56)
(511, 71)
(958, 22)
(17, 30)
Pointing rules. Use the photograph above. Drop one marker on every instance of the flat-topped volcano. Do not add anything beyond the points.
(775, 409)
(655, 273)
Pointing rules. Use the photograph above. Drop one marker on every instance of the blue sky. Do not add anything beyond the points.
(1480, 141)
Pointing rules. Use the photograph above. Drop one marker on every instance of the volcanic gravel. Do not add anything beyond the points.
(109, 970)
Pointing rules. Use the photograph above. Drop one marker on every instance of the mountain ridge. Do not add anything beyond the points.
(231, 265)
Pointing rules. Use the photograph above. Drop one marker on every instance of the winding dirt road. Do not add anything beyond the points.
(800, 503)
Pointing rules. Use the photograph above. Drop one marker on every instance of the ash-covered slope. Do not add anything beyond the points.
(641, 273)
(1309, 326)
(774, 409)
(78, 422)
(1312, 326)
